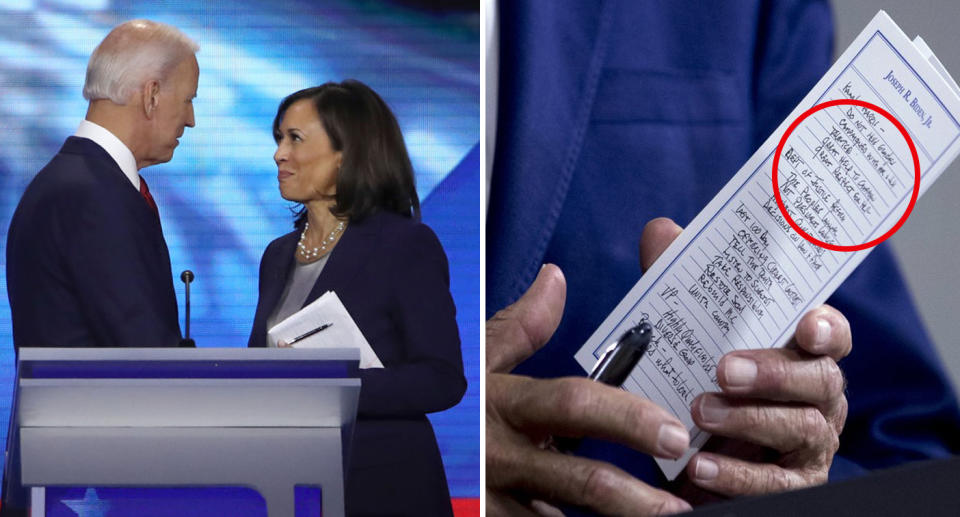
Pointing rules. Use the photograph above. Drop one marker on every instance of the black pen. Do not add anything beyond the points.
(613, 368)
(309, 333)
(622, 357)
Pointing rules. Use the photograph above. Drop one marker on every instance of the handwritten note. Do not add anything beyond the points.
(739, 277)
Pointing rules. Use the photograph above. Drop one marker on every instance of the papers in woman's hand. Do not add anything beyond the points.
(342, 332)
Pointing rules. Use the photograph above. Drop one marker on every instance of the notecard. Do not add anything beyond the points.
(740, 276)
(324, 323)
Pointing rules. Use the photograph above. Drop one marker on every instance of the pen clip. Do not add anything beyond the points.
(603, 358)
(622, 356)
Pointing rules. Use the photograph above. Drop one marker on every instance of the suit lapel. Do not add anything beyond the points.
(109, 173)
(112, 183)
(550, 62)
(106, 169)
(347, 258)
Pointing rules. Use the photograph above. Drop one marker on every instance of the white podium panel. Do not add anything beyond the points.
(268, 419)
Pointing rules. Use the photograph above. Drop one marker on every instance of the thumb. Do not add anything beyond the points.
(657, 236)
(516, 332)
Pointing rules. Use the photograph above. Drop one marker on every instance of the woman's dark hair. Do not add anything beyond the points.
(375, 172)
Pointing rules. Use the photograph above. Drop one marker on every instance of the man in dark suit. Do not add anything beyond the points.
(87, 264)
(610, 114)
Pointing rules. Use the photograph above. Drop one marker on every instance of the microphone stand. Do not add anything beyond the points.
(186, 277)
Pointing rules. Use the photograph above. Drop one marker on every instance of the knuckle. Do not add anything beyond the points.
(765, 479)
(493, 401)
(745, 481)
(497, 464)
(634, 417)
(840, 415)
(508, 396)
(809, 477)
(502, 325)
(600, 483)
(776, 371)
(833, 444)
(817, 477)
(829, 372)
(758, 415)
(573, 401)
(501, 464)
(507, 340)
(779, 479)
(498, 322)
(813, 429)
(505, 323)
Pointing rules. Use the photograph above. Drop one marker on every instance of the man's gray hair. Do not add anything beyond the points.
(133, 53)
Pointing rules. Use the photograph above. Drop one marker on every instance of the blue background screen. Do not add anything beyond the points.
(218, 196)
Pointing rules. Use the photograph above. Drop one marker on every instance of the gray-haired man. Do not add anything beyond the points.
(87, 264)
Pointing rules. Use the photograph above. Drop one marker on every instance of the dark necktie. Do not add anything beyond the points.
(145, 192)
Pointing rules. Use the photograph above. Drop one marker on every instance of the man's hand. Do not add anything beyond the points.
(789, 400)
(777, 421)
(523, 476)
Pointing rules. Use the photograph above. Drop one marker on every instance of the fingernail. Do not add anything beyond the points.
(672, 440)
(706, 470)
(739, 372)
(823, 333)
(713, 410)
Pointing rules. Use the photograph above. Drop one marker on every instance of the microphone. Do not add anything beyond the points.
(186, 277)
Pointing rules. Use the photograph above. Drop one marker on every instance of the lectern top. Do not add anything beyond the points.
(190, 363)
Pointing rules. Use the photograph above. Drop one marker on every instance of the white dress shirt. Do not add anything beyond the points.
(114, 147)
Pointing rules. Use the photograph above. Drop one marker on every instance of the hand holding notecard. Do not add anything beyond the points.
(324, 323)
(741, 276)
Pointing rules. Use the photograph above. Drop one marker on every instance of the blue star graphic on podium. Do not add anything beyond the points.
(90, 506)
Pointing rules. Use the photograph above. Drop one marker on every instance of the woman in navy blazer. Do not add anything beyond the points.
(340, 154)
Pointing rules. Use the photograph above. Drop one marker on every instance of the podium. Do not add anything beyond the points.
(267, 419)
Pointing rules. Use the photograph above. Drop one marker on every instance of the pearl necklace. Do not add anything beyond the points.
(324, 248)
